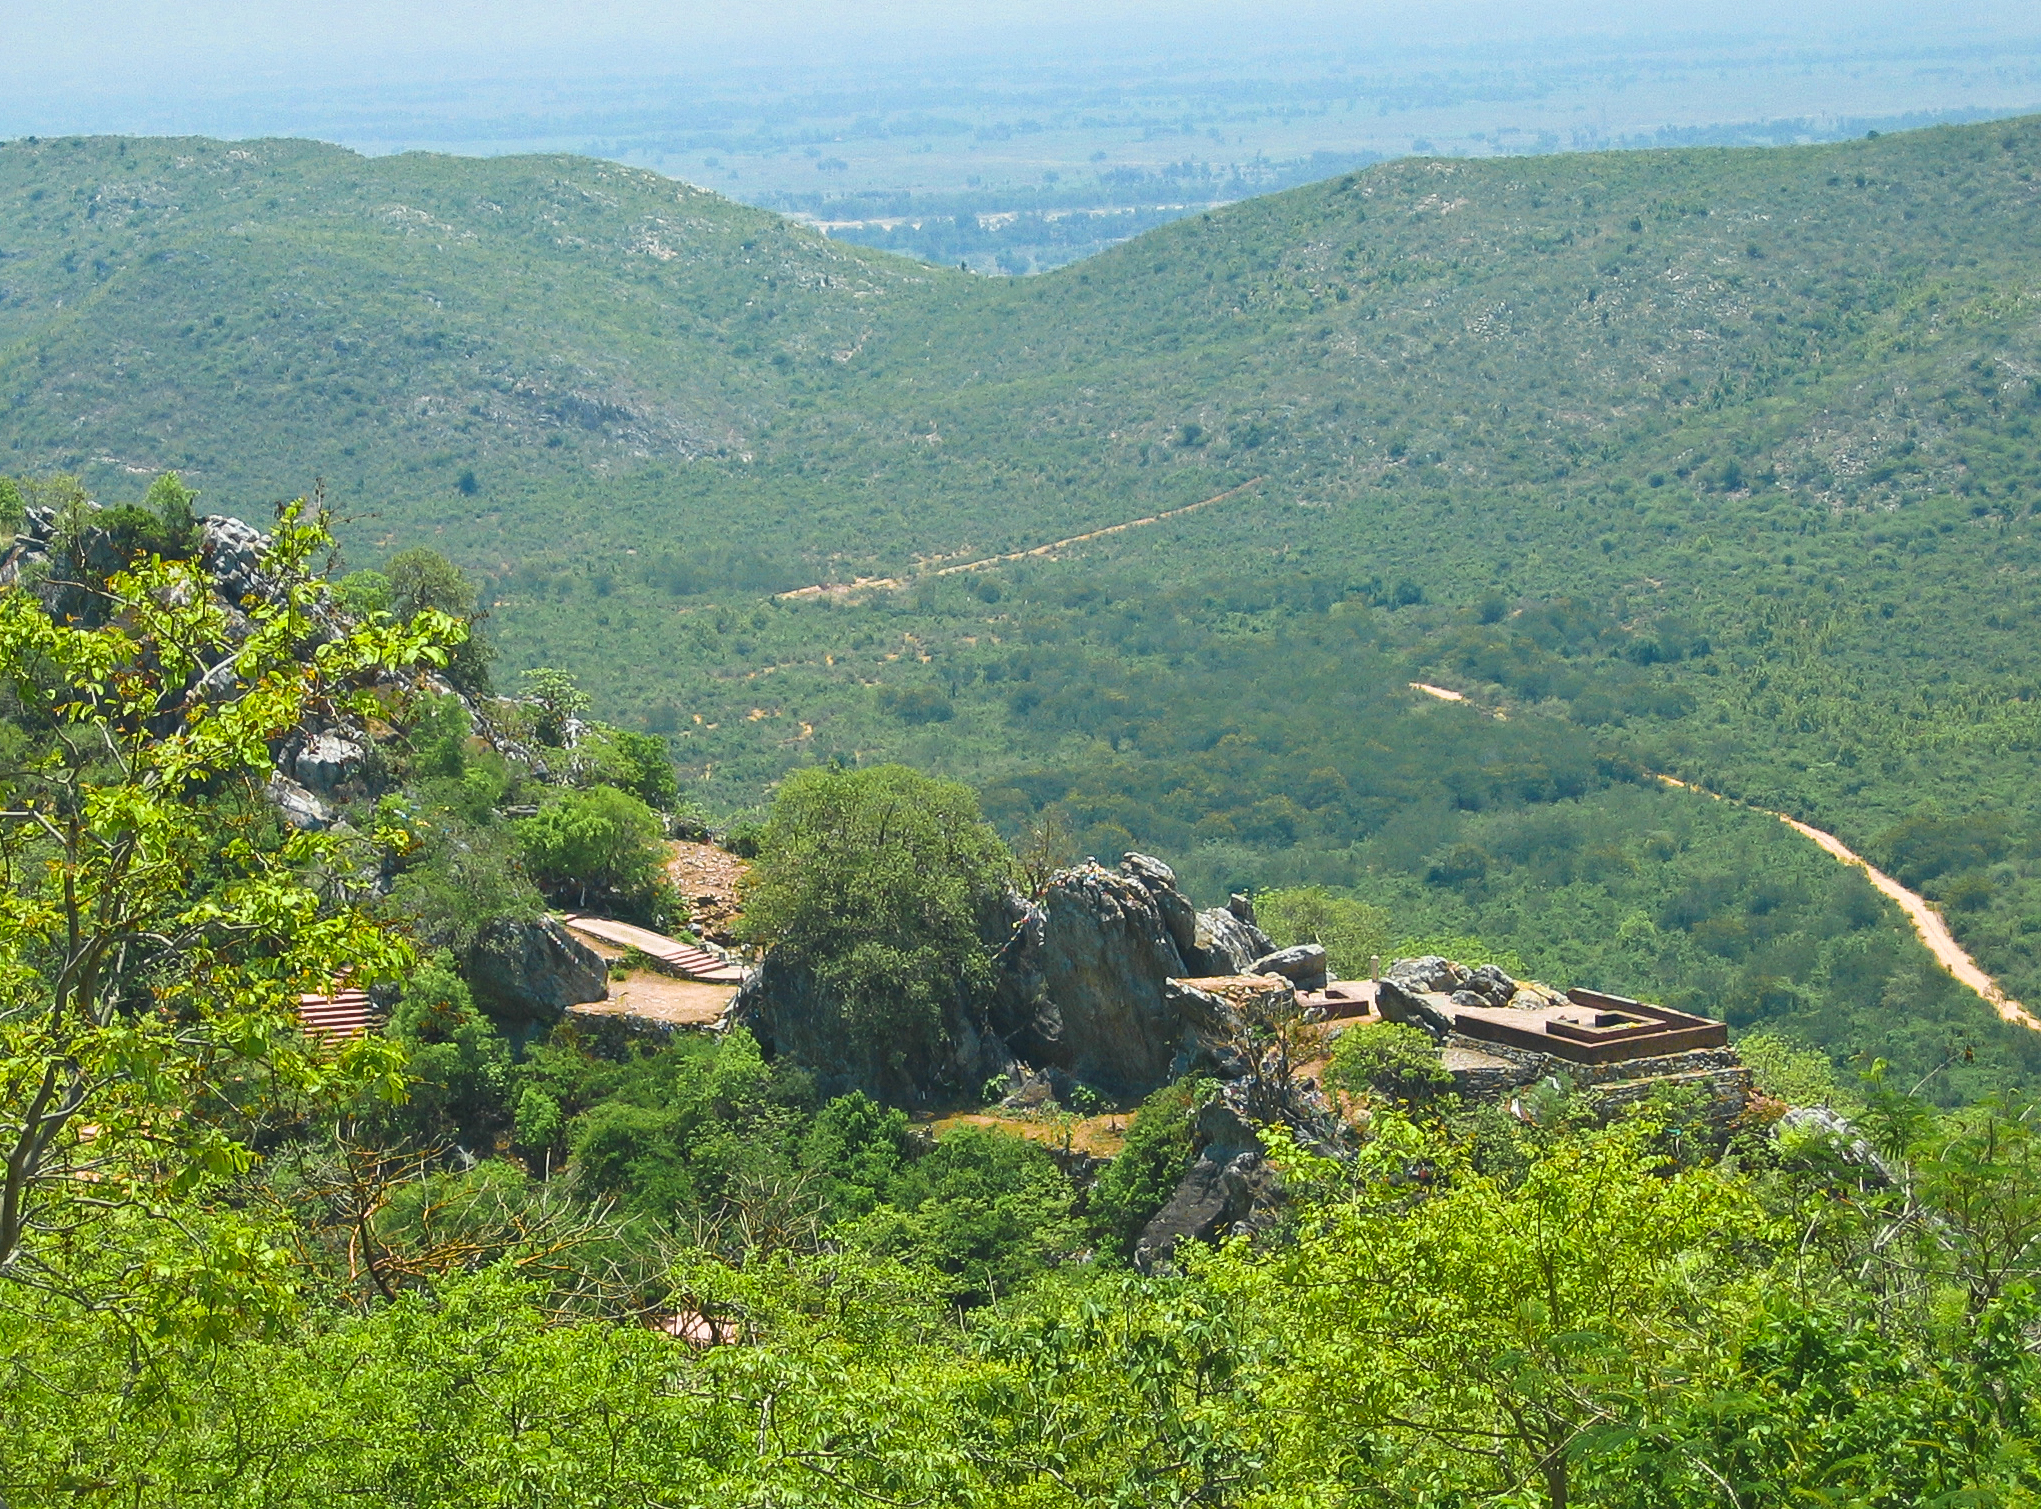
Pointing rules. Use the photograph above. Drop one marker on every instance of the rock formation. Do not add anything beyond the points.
(1088, 989)
(526, 974)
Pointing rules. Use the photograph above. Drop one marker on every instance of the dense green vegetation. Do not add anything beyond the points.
(244, 1265)
(1718, 463)
(883, 886)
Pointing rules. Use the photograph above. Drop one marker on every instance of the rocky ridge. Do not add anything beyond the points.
(525, 971)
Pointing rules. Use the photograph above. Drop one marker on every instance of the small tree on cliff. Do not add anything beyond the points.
(154, 927)
(881, 884)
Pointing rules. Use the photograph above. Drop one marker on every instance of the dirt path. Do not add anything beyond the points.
(1928, 924)
(877, 583)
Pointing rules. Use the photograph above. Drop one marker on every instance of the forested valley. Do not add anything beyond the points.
(627, 517)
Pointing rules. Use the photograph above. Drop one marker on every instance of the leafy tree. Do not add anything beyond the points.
(364, 593)
(703, 1134)
(1352, 932)
(634, 762)
(1521, 1331)
(1388, 1059)
(154, 927)
(557, 700)
(170, 500)
(457, 1064)
(1145, 1172)
(421, 580)
(462, 877)
(987, 1209)
(855, 1146)
(882, 882)
(1794, 1073)
(601, 842)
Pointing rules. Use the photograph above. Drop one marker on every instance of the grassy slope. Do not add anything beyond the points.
(1715, 461)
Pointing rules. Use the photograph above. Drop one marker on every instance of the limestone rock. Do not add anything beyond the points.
(295, 805)
(326, 760)
(528, 973)
(1304, 964)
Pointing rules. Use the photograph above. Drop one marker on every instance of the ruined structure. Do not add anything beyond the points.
(1497, 1035)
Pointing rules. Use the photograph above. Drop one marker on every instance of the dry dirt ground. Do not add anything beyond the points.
(706, 878)
(1101, 1136)
(661, 998)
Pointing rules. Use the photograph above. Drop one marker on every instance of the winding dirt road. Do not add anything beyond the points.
(1928, 924)
(890, 583)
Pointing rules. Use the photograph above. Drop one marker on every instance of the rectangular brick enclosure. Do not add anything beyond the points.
(1592, 1028)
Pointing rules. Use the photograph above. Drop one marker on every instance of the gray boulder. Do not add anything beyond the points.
(1429, 973)
(1842, 1137)
(1217, 1196)
(1491, 986)
(1430, 1009)
(1159, 880)
(1225, 943)
(528, 973)
(1084, 986)
(295, 805)
(788, 1010)
(1303, 965)
(231, 553)
(325, 761)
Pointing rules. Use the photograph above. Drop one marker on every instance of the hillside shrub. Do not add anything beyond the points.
(1351, 931)
(884, 884)
(600, 843)
(1388, 1060)
(1139, 1182)
(458, 1069)
(465, 877)
(987, 1209)
(422, 578)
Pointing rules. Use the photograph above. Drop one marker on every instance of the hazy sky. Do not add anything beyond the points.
(81, 48)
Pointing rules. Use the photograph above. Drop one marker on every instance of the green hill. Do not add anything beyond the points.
(1718, 463)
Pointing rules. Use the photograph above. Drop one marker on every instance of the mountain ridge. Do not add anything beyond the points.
(1696, 460)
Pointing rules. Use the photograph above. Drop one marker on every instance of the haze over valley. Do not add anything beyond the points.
(1047, 756)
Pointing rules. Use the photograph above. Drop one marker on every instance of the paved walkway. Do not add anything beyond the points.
(694, 963)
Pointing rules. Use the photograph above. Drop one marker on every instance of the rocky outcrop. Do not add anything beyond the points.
(324, 762)
(1216, 1198)
(1304, 965)
(1223, 942)
(1230, 1186)
(790, 1012)
(1090, 986)
(297, 807)
(231, 553)
(526, 974)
